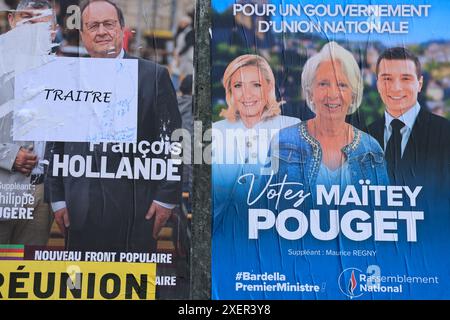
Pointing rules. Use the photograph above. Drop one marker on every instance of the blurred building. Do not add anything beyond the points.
(3, 6)
(437, 52)
(152, 24)
(3, 17)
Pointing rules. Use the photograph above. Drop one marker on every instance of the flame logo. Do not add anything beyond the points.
(352, 284)
(348, 283)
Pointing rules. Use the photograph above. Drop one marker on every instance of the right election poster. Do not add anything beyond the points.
(331, 149)
(95, 201)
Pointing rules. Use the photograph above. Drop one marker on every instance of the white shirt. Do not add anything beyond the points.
(340, 177)
(408, 118)
(121, 54)
(39, 150)
(234, 143)
(62, 204)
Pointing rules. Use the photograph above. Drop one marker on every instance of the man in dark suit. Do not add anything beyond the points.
(416, 142)
(117, 214)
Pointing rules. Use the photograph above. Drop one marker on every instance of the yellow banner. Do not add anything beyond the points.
(68, 280)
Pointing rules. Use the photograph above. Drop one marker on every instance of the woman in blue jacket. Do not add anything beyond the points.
(326, 150)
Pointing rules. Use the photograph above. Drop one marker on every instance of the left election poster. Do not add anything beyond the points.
(324, 115)
(93, 188)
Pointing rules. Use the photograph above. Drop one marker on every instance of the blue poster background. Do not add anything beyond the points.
(272, 267)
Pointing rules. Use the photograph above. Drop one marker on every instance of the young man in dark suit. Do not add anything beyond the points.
(416, 145)
(117, 214)
(416, 142)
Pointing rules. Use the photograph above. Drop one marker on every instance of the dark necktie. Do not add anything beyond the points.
(393, 152)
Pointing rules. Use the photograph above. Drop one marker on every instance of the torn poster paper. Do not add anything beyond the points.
(24, 47)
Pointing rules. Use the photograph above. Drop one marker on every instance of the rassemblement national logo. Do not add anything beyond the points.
(354, 283)
(348, 282)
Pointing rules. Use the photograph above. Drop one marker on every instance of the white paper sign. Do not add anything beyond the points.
(77, 100)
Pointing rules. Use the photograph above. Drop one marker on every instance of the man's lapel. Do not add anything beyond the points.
(417, 138)
(376, 130)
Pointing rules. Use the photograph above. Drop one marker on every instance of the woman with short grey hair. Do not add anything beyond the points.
(327, 150)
